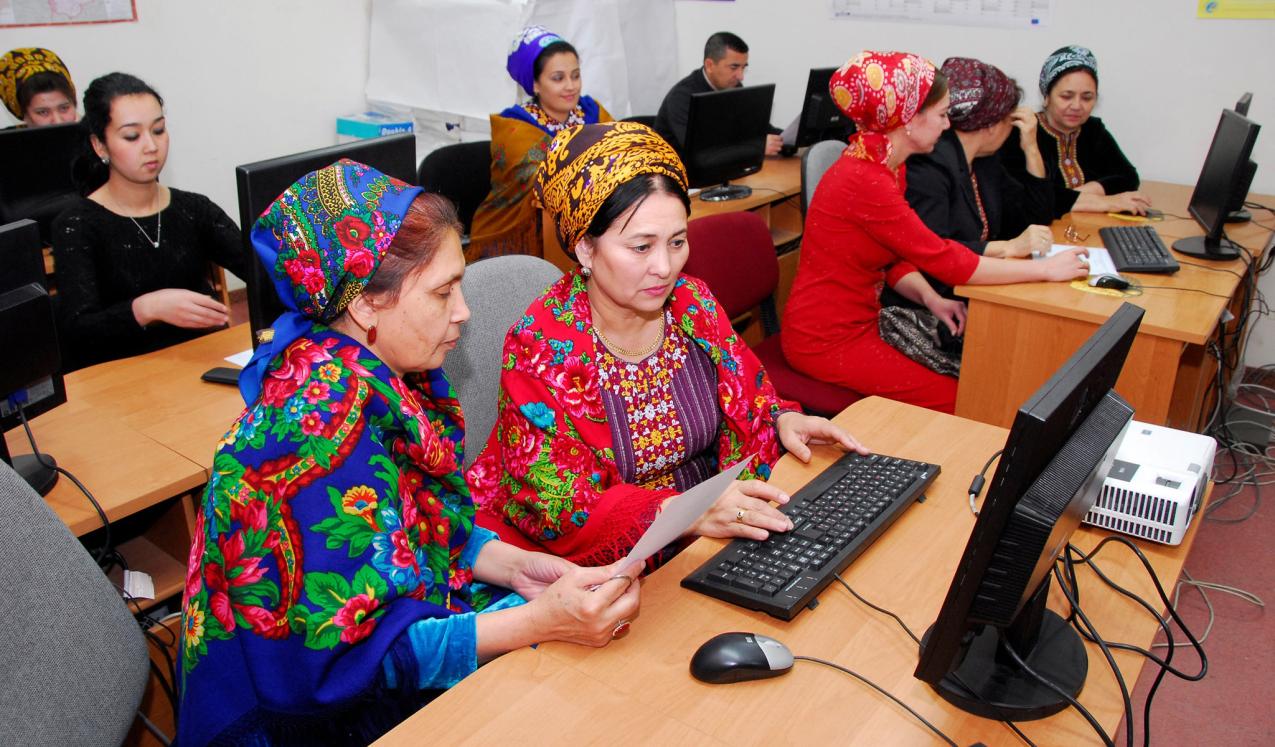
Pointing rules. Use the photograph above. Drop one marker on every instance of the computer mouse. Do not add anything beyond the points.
(739, 657)
(1109, 281)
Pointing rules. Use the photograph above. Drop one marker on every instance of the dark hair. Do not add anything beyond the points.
(938, 89)
(43, 82)
(89, 171)
(549, 52)
(428, 219)
(717, 44)
(631, 195)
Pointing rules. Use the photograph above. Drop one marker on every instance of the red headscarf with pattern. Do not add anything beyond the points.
(880, 91)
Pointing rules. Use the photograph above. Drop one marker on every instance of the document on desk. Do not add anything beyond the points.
(682, 511)
(1099, 259)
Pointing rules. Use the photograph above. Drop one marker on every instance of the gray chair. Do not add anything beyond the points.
(73, 659)
(498, 291)
(814, 162)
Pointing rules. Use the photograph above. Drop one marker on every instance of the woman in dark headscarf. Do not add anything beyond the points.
(861, 234)
(1088, 170)
(337, 581)
(36, 87)
(547, 67)
(625, 384)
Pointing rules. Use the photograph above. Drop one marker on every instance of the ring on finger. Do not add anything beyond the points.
(620, 630)
(739, 514)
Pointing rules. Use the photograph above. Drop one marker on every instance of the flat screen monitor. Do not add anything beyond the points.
(820, 119)
(31, 379)
(1061, 444)
(35, 173)
(261, 182)
(726, 138)
(1226, 172)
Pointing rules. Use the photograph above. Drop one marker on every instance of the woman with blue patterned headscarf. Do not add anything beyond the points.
(336, 581)
(547, 67)
(1087, 168)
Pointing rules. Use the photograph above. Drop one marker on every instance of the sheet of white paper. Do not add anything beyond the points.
(1099, 259)
(241, 358)
(683, 510)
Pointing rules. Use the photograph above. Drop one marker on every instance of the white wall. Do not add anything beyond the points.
(242, 80)
(1164, 74)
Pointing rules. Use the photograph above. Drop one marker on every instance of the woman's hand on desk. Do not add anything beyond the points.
(1034, 240)
(1096, 201)
(744, 510)
(180, 308)
(797, 431)
(1067, 265)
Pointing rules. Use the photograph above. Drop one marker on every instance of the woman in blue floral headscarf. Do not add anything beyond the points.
(547, 67)
(337, 581)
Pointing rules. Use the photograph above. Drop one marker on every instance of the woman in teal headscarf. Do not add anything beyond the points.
(337, 581)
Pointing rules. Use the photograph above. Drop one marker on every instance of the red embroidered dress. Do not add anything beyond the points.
(549, 479)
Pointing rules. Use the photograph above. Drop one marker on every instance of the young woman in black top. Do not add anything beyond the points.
(132, 258)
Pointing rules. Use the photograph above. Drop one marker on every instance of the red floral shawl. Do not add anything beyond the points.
(547, 478)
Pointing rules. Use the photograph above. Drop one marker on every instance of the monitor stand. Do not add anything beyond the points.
(1205, 247)
(725, 191)
(31, 469)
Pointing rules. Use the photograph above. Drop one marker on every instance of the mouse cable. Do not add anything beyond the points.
(916, 640)
(976, 485)
(1093, 722)
(1213, 269)
(1125, 700)
(106, 548)
(881, 690)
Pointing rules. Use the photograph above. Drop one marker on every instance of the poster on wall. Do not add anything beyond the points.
(995, 13)
(19, 13)
(1236, 9)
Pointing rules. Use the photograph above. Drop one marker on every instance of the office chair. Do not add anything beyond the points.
(498, 291)
(734, 254)
(646, 119)
(814, 162)
(462, 174)
(74, 660)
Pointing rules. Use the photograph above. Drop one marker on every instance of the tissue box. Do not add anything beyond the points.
(371, 124)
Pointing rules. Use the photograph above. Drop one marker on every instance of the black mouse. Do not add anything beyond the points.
(1109, 281)
(739, 657)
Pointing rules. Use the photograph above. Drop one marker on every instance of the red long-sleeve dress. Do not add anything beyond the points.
(861, 233)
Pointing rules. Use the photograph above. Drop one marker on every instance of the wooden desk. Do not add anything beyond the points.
(1017, 335)
(638, 690)
(140, 434)
(776, 197)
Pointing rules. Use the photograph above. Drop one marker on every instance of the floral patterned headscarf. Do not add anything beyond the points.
(586, 164)
(880, 91)
(528, 45)
(19, 64)
(322, 241)
(1066, 60)
(982, 95)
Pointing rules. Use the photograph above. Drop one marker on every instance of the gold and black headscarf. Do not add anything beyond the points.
(586, 164)
(20, 64)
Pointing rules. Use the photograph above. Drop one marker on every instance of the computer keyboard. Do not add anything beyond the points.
(835, 518)
(1137, 249)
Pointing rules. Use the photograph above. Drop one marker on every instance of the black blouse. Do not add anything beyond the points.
(1097, 153)
(104, 261)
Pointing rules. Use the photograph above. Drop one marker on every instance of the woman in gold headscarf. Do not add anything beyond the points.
(624, 384)
(36, 87)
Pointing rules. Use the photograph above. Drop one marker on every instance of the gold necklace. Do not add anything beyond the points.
(625, 353)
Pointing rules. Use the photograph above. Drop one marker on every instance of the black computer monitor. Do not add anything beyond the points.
(1241, 106)
(1235, 211)
(35, 173)
(1061, 444)
(726, 139)
(30, 379)
(1226, 173)
(261, 182)
(820, 119)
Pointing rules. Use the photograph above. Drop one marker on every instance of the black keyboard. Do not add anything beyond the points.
(835, 517)
(1137, 249)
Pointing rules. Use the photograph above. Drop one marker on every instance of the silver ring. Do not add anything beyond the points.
(739, 514)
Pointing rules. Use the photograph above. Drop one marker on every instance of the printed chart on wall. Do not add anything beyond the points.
(997, 13)
(1236, 9)
(15, 13)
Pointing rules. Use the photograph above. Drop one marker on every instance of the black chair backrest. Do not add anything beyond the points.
(646, 119)
(462, 174)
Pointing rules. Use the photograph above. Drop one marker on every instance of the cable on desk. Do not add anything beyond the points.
(1211, 268)
(106, 547)
(1097, 727)
(917, 641)
(881, 690)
